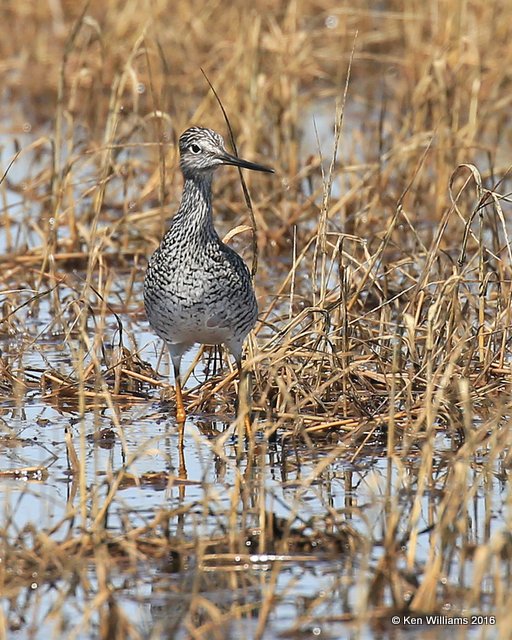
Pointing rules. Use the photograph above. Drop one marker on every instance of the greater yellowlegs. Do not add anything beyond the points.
(197, 289)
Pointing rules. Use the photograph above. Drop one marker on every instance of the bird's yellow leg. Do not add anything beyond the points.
(176, 354)
(244, 400)
(180, 407)
(248, 425)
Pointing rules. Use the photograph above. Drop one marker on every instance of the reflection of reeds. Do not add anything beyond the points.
(385, 311)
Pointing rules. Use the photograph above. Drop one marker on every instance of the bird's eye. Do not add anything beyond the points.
(195, 148)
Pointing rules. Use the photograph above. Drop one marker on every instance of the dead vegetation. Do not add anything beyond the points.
(384, 280)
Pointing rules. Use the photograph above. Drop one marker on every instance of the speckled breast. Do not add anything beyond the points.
(205, 298)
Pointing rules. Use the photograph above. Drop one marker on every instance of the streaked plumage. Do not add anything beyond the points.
(197, 289)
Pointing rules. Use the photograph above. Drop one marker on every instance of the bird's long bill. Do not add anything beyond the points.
(227, 158)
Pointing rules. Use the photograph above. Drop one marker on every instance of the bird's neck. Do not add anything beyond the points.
(195, 210)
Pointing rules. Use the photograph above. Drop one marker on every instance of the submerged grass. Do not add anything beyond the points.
(384, 283)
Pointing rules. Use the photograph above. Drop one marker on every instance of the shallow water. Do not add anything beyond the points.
(142, 438)
(156, 597)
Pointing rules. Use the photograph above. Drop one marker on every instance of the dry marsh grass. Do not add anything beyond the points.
(382, 357)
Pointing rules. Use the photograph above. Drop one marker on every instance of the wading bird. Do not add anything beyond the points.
(197, 289)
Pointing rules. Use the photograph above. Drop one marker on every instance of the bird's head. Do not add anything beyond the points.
(202, 151)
